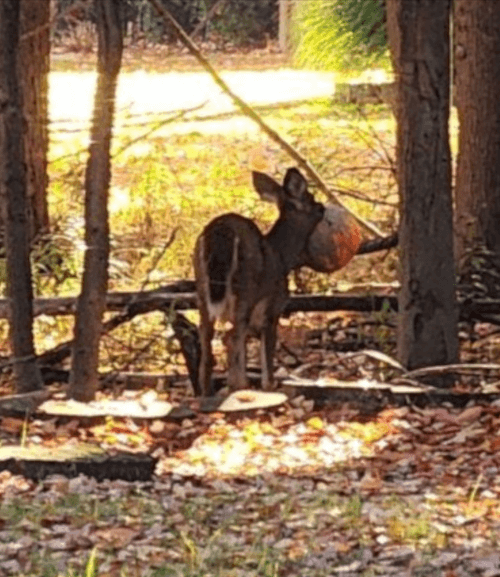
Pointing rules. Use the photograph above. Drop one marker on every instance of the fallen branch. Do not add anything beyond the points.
(464, 368)
(379, 244)
(131, 304)
(180, 296)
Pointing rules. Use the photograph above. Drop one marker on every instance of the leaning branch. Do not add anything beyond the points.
(250, 112)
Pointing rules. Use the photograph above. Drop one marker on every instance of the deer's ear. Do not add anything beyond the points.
(267, 187)
(295, 184)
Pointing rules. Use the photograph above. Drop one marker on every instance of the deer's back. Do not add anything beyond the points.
(237, 267)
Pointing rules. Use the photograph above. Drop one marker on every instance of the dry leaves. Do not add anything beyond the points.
(410, 492)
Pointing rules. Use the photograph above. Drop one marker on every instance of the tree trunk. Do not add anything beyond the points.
(34, 64)
(419, 38)
(91, 303)
(285, 16)
(477, 193)
(14, 202)
(33, 70)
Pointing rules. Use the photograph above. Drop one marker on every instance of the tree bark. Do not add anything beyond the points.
(92, 300)
(34, 64)
(477, 65)
(33, 70)
(419, 37)
(14, 202)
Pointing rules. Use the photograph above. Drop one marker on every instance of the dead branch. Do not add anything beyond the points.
(199, 27)
(134, 304)
(168, 243)
(180, 296)
(131, 304)
(157, 125)
(464, 368)
(377, 244)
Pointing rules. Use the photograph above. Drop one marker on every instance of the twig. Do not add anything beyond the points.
(250, 112)
(155, 262)
(358, 195)
(216, 6)
(388, 158)
(16, 361)
(156, 127)
(444, 369)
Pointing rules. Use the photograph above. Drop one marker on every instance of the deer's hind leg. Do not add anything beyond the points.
(206, 332)
(237, 356)
(267, 349)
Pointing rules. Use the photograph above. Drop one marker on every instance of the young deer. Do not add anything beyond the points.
(241, 274)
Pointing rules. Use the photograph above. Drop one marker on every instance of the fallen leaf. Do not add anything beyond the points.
(470, 414)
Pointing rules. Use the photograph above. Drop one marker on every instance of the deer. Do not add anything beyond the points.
(241, 275)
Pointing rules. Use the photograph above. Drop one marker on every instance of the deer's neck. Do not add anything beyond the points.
(288, 242)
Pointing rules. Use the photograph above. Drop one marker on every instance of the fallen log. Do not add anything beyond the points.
(130, 304)
(180, 293)
(134, 303)
(70, 461)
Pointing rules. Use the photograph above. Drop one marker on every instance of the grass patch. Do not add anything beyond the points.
(279, 525)
(181, 181)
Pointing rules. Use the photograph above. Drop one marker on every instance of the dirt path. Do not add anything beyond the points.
(71, 93)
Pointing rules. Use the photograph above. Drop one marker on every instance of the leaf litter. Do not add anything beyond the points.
(406, 492)
(294, 490)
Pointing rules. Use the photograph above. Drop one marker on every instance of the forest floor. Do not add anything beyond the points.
(299, 490)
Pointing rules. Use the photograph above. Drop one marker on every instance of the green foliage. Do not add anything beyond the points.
(238, 21)
(340, 34)
(353, 508)
(244, 21)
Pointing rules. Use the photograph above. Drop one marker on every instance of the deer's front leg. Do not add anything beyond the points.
(267, 348)
(236, 373)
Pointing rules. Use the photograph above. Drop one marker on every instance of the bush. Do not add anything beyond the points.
(238, 21)
(340, 34)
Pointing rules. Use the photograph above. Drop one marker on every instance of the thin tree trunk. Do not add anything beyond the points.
(91, 303)
(285, 15)
(477, 193)
(14, 202)
(419, 37)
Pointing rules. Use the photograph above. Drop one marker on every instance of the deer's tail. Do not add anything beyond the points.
(221, 257)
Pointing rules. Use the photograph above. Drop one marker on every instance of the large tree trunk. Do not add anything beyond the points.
(33, 69)
(14, 202)
(92, 300)
(477, 193)
(419, 38)
(34, 63)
